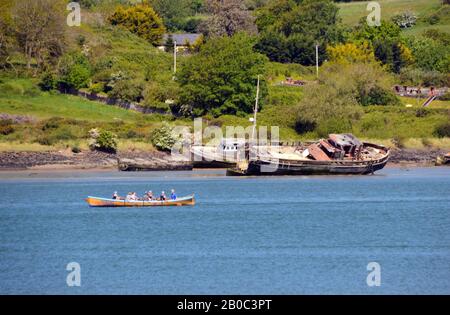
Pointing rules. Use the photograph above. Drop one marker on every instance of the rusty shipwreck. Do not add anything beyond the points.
(340, 154)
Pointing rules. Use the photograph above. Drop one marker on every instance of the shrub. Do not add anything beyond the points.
(127, 90)
(333, 125)
(141, 20)
(163, 138)
(379, 96)
(102, 140)
(48, 81)
(405, 19)
(442, 130)
(12, 88)
(76, 149)
(6, 127)
(445, 97)
(75, 71)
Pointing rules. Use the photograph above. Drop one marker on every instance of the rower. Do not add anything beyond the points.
(173, 196)
(115, 196)
(163, 196)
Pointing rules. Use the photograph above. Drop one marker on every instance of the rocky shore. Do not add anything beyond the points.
(87, 160)
(135, 161)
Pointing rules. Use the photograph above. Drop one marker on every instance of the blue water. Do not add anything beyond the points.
(281, 235)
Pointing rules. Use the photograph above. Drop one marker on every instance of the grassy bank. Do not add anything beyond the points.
(352, 12)
(63, 121)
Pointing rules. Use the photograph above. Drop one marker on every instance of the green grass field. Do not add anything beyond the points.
(352, 12)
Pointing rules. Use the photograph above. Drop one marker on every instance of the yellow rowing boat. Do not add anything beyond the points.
(104, 202)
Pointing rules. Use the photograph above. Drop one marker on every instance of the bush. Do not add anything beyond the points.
(6, 127)
(379, 96)
(12, 88)
(48, 81)
(445, 97)
(127, 90)
(76, 149)
(102, 140)
(163, 138)
(333, 125)
(75, 71)
(442, 130)
(141, 20)
(405, 19)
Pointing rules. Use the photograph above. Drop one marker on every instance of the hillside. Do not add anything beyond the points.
(124, 65)
(352, 12)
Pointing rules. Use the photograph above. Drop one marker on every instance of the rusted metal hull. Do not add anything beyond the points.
(310, 167)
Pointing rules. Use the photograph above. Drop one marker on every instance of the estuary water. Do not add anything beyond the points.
(265, 235)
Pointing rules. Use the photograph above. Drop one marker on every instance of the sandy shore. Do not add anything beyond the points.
(98, 161)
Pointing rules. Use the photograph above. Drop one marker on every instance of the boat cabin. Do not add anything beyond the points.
(231, 145)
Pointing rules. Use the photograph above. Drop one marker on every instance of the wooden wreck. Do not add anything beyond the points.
(340, 154)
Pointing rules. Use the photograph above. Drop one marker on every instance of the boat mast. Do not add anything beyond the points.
(255, 112)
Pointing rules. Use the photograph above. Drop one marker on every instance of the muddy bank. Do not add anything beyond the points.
(414, 156)
(153, 160)
(84, 160)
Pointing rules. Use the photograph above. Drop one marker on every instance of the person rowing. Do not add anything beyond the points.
(173, 195)
(148, 196)
(115, 196)
(163, 196)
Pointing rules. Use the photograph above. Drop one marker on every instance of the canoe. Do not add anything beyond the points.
(104, 202)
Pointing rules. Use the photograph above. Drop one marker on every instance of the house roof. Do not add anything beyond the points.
(182, 38)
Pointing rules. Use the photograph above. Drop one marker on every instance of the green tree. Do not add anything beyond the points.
(290, 33)
(221, 79)
(74, 71)
(141, 20)
(39, 29)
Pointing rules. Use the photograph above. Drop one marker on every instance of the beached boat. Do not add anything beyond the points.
(104, 202)
(340, 154)
(225, 155)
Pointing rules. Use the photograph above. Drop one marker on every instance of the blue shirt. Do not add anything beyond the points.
(173, 196)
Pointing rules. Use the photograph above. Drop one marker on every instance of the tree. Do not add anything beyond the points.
(227, 18)
(39, 29)
(74, 71)
(6, 29)
(350, 53)
(292, 29)
(333, 104)
(221, 78)
(141, 20)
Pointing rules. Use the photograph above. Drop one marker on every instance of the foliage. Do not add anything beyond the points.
(48, 81)
(127, 90)
(430, 54)
(405, 19)
(227, 17)
(74, 71)
(102, 140)
(443, 130)
(418, 77)
(140, 19)
(163, 138)
(38, 29)
(221, 79)
(350, 53)
(290, 32)
(386, 31)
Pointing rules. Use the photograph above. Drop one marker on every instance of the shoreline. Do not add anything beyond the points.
(94, 161)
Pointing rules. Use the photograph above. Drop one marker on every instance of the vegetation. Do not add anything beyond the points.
(140, 19)
(112, 55)
(221, 79)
